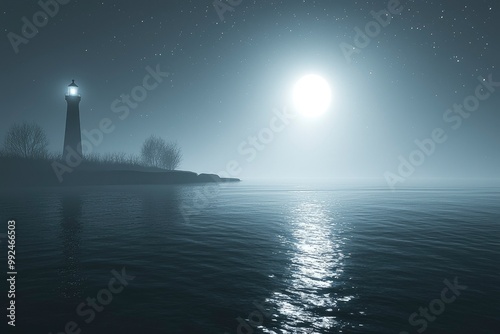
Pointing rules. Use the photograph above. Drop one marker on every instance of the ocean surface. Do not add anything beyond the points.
(254, 258)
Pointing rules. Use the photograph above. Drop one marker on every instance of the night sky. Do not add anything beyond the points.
(226, 78)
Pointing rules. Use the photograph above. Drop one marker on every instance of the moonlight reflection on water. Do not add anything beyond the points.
(312, 296)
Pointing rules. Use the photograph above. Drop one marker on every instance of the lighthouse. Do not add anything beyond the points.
(72, 135)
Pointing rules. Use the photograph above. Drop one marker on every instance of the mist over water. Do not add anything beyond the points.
(316, 259)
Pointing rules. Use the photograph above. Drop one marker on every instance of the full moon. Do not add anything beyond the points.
(312, 95)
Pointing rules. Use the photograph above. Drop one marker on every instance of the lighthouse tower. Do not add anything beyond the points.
(72, 135)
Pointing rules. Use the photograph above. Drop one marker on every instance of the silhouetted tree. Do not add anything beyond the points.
(171, 156)
(156, 152)
(26, 140)
(151, 151)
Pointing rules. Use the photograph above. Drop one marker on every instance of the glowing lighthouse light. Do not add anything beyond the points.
(73, 89)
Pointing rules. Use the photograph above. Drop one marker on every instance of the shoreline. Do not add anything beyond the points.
(26, 173)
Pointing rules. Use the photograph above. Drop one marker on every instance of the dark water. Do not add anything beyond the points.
(288, 259)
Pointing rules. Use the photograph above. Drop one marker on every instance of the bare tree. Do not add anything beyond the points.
(26, 140)
(171, 156)
(156, 152)
(151, 151)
